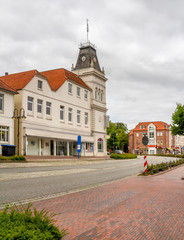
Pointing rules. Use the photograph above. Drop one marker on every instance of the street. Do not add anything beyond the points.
(29, 182)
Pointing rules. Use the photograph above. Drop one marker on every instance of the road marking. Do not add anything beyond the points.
(13, 176)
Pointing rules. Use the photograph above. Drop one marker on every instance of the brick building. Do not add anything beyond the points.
(158, 134)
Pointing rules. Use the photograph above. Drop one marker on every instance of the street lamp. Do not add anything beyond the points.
(18, 115)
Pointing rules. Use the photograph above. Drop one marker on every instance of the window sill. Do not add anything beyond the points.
(48, 118)
(31, 114)
(71, 123)
(62, 121)
(40, 116)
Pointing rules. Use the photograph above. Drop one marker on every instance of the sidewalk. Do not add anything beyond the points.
(149, 207)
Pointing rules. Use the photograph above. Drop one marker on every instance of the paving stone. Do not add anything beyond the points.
(150, 208)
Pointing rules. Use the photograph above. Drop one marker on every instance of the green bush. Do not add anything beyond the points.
(17, 157)
(27, 223)
(3, 158)
(123, 156)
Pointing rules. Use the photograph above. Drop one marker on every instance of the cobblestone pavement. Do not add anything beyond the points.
(149, 207)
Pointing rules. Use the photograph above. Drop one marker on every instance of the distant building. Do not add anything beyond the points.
(6, 112)
(158, 134)
(60, 105)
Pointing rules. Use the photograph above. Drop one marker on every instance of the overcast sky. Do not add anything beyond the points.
(140, 43)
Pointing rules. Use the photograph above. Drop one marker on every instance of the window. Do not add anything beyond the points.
(140, 127)
(48, 108)
(85, 94)
(151, 141)
(101, 97)
(30, 104)
(96, 94)
(4, 133)
(1, 102)
(78, 116)
(143, 126)
(70, 88)
(151, 134)
(70, 114)
(86, 118)
(78, 91)
(39, 106)
(137, 134)
(100, 145)
(62, 113)
(89, 147)
(159, 134)
(40, 85)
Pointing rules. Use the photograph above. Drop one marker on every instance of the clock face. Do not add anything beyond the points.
(83, 58)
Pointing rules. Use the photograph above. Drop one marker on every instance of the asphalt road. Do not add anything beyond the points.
(25, 183)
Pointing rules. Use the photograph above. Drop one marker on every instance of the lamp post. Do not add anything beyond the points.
(18, 115)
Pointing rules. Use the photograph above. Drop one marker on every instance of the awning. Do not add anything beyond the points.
(55, 135)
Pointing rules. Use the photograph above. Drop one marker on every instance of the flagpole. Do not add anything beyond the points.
(87, 29)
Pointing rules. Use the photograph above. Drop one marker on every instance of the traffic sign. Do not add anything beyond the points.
(78, 145)
(145, 140)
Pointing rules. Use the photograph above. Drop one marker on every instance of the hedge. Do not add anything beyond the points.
(27, 223)
(123, 156)
(13, 158)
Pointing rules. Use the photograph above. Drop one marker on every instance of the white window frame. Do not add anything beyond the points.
(137, 134)
(2, 102)
(69, 114)
(4, 131)
(86, 118)
(78, 91)
(62, 109)
(48, 108)
(100, 145)
(78, 116)
(85, 94)
(70, 88)
(39, 105)
(30, 102)
(40, 85)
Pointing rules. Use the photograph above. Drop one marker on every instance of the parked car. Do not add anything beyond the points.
(118, 152)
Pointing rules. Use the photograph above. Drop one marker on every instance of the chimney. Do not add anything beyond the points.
(6, 73)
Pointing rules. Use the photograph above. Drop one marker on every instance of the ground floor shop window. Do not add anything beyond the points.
(100, 145)
(61, 148)
(89, 147)
(4, 133)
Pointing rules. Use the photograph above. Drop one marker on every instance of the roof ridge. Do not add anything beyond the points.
(20, 72)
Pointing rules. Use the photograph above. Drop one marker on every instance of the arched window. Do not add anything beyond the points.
(100, 145)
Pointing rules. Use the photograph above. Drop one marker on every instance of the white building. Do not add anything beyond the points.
(60, 105)
(6, 111)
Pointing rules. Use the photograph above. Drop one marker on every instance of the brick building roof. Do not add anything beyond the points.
(159, 126)
(4, 86)
(56, 78)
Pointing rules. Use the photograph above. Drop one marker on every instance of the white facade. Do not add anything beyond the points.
(6, 121)
(48, 133)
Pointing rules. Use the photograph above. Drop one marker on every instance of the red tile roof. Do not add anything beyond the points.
(159, 125)
(19, 80)
(58, 76)
(4, 86)
(55, 78)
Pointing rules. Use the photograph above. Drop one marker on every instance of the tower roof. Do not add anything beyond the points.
(87, 57)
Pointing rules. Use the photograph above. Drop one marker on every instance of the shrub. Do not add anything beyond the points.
(17, 157)
(27, 223)
(123, 156)
(3, 158)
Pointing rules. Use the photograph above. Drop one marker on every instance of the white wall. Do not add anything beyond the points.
(6, 116)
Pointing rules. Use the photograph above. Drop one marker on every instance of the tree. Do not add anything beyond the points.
(118, 136)
(177, 126)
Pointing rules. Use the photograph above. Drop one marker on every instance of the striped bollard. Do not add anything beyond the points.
(145, 164)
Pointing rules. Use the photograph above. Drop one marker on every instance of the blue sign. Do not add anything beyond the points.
(78, 145)
(183, 147)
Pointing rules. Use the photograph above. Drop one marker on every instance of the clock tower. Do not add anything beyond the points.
(88, 69)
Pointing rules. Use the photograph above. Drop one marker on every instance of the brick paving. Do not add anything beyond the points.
(141, 208)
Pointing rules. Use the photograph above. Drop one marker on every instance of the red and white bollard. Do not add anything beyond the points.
(145, 164)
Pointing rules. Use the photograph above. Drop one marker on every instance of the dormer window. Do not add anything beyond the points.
(140, 126)
(40, 85)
